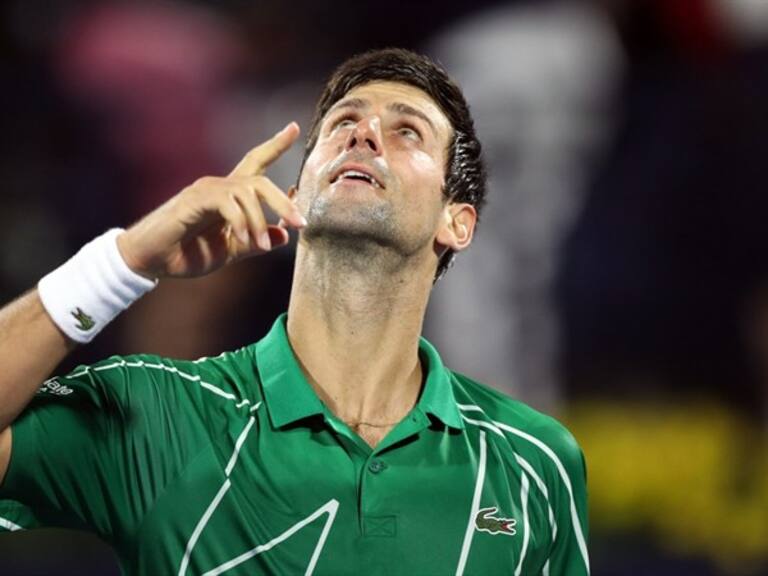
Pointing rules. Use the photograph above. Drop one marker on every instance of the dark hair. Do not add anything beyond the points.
(465, 171)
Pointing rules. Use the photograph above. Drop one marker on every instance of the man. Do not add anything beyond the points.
(338, 444)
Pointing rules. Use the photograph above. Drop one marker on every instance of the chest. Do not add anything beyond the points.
(304, 501)
(371, 435)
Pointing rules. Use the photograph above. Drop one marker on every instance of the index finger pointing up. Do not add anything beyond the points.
(257, 160)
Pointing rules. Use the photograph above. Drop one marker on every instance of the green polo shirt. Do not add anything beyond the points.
(233, 465)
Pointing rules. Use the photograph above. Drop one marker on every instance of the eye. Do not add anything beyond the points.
(342, 122)
(409, 132)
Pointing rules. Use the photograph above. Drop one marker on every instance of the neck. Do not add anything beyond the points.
(354, 323)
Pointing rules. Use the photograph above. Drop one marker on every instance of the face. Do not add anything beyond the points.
(377, 170)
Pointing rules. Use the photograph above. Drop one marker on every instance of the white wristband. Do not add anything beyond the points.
(86, 292)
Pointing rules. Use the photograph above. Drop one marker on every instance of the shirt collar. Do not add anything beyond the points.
(287, 394)
(289, 397)
(437, 397)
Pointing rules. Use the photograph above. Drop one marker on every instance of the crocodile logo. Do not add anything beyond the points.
(85, 322)
(486, 522)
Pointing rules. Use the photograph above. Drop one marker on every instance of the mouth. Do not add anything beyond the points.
(356, 172)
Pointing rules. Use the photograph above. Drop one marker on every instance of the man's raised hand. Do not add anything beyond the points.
(216, 220)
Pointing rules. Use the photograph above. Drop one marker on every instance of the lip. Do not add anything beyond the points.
(364, 168)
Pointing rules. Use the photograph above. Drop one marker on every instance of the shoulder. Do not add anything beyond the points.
(139, 378)
(524, 426)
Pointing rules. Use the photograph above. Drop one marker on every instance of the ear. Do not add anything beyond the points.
(457, 226)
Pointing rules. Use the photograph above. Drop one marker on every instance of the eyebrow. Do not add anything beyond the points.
(397, 107)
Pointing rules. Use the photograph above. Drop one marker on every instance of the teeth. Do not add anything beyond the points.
(357, 174)
(350, 173)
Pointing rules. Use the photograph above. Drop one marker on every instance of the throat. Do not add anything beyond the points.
(372, 434)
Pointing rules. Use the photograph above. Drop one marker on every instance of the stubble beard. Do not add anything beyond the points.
(362, 237)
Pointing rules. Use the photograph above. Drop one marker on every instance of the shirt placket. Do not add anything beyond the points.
(377, 472)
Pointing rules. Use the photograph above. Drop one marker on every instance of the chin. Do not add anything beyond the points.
(350, 232)
(349, 218)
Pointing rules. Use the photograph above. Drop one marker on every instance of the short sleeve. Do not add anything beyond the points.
(568, 554)
(96, 447)
(15, 516)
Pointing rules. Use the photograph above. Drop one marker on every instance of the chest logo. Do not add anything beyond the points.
(485, 521)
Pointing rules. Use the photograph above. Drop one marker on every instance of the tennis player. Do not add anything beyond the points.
(338, 444)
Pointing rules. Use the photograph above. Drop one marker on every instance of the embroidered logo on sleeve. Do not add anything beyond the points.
(485, 521)
(53, 386)
(84, 321)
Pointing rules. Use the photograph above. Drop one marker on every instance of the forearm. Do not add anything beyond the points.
(31, 346)
(188, 236)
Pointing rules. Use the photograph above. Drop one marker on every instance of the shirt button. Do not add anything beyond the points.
(376, 466)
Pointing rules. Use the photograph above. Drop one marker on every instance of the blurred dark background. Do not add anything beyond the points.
(618, 279)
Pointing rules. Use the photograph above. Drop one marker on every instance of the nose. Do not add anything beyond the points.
(366, 134)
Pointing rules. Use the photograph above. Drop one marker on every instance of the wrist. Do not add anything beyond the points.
(85, 293)
(127, 252)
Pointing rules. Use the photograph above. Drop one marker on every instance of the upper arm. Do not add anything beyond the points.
(5, 452)
(96, 447)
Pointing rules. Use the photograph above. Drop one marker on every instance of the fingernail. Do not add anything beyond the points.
(302, 220)
(264, 242)
(242, 235)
